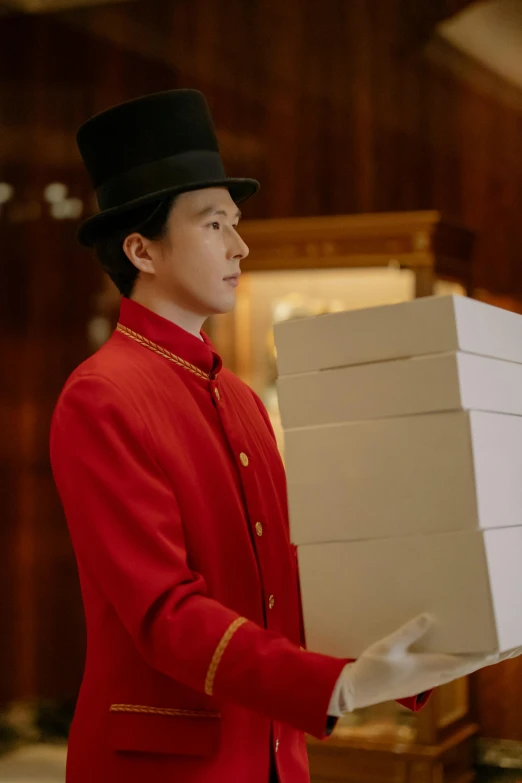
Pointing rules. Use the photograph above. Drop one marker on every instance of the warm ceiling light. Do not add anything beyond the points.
(55, 192)
(6, 192)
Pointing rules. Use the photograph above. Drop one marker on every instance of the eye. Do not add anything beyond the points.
(216, 225)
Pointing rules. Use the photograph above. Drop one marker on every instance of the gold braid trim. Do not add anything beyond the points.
(218, 654)
(163, 711)
(162, 351)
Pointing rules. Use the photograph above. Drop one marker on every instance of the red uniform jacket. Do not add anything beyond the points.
(175, 498)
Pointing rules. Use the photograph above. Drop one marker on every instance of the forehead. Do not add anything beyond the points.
(196, 201)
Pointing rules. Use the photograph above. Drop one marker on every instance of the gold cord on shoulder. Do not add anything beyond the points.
(162, 351)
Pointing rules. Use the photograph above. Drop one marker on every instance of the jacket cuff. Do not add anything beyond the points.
(416, 703)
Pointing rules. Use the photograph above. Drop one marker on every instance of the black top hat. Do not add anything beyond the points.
(147, 149)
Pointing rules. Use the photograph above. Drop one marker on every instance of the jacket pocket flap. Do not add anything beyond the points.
(164, 730)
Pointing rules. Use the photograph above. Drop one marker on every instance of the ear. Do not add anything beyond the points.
(138, 250)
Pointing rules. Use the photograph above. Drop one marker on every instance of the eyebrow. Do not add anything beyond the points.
(214, 211)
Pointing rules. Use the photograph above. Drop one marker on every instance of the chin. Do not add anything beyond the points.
(222, 307)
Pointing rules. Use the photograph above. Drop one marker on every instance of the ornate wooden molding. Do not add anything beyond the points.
(415, 240)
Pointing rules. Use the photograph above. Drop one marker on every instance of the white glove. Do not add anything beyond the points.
(388, 671)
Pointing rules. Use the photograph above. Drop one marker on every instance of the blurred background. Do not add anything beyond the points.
(387, 137)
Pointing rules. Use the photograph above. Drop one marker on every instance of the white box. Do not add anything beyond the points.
(435, 324)
(402, 434)
(402, 476)
(441, 382)
(355, 593)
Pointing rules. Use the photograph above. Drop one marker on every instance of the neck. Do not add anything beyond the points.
(189, 321)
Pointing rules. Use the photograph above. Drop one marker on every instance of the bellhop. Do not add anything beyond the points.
(174, 491)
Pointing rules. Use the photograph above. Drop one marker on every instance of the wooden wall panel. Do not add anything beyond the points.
(335, 106)
(48, 295)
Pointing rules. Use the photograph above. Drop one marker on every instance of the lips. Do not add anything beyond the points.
(233, 279)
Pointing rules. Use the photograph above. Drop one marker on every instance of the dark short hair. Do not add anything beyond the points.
(151, 222)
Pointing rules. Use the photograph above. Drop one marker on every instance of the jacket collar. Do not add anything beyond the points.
(166, 334)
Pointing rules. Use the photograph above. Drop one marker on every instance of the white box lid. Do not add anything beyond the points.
(428, 325)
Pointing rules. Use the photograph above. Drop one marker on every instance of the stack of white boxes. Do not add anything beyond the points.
(403, 449)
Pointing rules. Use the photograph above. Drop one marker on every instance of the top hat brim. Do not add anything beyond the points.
(102, 223)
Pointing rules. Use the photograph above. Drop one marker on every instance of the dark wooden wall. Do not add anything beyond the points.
(52, 79)
(335, 106)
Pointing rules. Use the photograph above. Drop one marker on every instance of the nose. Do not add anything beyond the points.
(239, 249)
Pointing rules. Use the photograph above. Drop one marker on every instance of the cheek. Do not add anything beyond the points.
(199, 267)
(213, 246)
(209, 259)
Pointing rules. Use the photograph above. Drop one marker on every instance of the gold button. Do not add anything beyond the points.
(259, 528)
(244, 459)
(271, 601)
(216, 392)
(277, 745)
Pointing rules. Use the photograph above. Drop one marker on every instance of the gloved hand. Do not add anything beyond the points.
(388, 671)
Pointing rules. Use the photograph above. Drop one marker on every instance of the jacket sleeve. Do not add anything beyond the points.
(414, 703)
(127, 534)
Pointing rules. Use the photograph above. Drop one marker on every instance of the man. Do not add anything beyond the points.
(175, 498)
